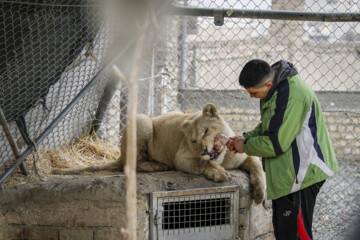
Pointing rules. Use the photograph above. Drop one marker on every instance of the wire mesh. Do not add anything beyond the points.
(209, 213)
(49, 52)
(182, 214)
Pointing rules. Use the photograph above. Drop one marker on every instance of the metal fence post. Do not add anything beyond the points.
(11, 141)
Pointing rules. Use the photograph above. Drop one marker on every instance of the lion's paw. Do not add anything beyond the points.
(259, 194)
(258, 188)
(216, 174)
(152, 167)
(161, 167)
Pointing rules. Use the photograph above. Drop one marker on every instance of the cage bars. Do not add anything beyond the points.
(104, 102)
(205, 213)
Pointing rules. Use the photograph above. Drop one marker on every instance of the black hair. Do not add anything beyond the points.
(254, 73)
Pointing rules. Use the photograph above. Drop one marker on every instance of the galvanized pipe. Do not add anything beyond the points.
(11, 140)
(104, 102)
(183, 53)
(267, 14)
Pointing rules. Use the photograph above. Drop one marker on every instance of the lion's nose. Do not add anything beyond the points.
(206, 152)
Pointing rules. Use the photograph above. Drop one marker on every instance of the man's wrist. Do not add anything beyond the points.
(244, 145)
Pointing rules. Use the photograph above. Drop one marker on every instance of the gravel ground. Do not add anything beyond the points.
(337, 210)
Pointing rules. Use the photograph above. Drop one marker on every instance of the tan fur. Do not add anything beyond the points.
(178, 141)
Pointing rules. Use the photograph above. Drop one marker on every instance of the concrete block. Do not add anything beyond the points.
(108, 234)
(93, 207)
(11, 233)
(76, 233)
(41, 233)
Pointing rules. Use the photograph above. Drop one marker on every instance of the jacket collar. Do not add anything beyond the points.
(283, 70)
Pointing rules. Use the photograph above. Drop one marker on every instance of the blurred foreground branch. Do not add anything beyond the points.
(143, 47)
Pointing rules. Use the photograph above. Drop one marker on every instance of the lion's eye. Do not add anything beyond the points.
(193, 141)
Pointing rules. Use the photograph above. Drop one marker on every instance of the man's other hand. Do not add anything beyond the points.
(236, 144)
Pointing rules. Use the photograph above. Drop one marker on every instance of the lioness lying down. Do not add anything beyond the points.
(185, 142)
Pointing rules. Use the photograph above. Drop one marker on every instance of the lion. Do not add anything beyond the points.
(185, 142)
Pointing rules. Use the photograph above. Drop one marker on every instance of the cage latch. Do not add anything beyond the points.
(218, 18)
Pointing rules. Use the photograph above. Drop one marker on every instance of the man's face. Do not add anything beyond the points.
(260, 92)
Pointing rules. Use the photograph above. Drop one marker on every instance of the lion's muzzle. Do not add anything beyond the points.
(206, 155)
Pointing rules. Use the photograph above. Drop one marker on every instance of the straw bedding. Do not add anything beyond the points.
(85, 151)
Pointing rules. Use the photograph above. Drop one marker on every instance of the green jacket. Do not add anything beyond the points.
(292, 137)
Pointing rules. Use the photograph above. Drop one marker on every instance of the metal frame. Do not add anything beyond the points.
(220, 13)
(11, 140)
(226, 231)
(104, 102)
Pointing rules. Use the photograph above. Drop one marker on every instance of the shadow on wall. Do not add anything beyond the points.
(355, 233)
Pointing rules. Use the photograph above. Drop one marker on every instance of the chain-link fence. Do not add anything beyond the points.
(50, 52)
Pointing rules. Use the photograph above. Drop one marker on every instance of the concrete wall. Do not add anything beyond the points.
(344, 129)
(93, 207)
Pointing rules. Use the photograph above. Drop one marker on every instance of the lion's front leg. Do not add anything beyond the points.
(257, 178)
(210, 170)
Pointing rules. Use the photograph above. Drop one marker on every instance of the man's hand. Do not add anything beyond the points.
(236, 144)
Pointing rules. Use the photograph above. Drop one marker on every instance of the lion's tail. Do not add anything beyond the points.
(111, 166)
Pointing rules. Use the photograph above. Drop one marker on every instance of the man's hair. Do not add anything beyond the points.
(255, 73)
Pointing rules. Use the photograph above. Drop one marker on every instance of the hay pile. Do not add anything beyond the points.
(85, 151)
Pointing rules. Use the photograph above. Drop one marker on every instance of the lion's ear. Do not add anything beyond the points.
(211, 111)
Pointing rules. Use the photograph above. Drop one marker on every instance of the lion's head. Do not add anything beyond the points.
(201, 129)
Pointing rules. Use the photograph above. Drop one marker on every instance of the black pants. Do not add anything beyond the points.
(293, 214)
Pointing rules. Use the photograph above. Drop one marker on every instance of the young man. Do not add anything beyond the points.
(293, 141)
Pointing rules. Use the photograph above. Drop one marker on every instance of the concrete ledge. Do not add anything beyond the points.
(93, 206)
